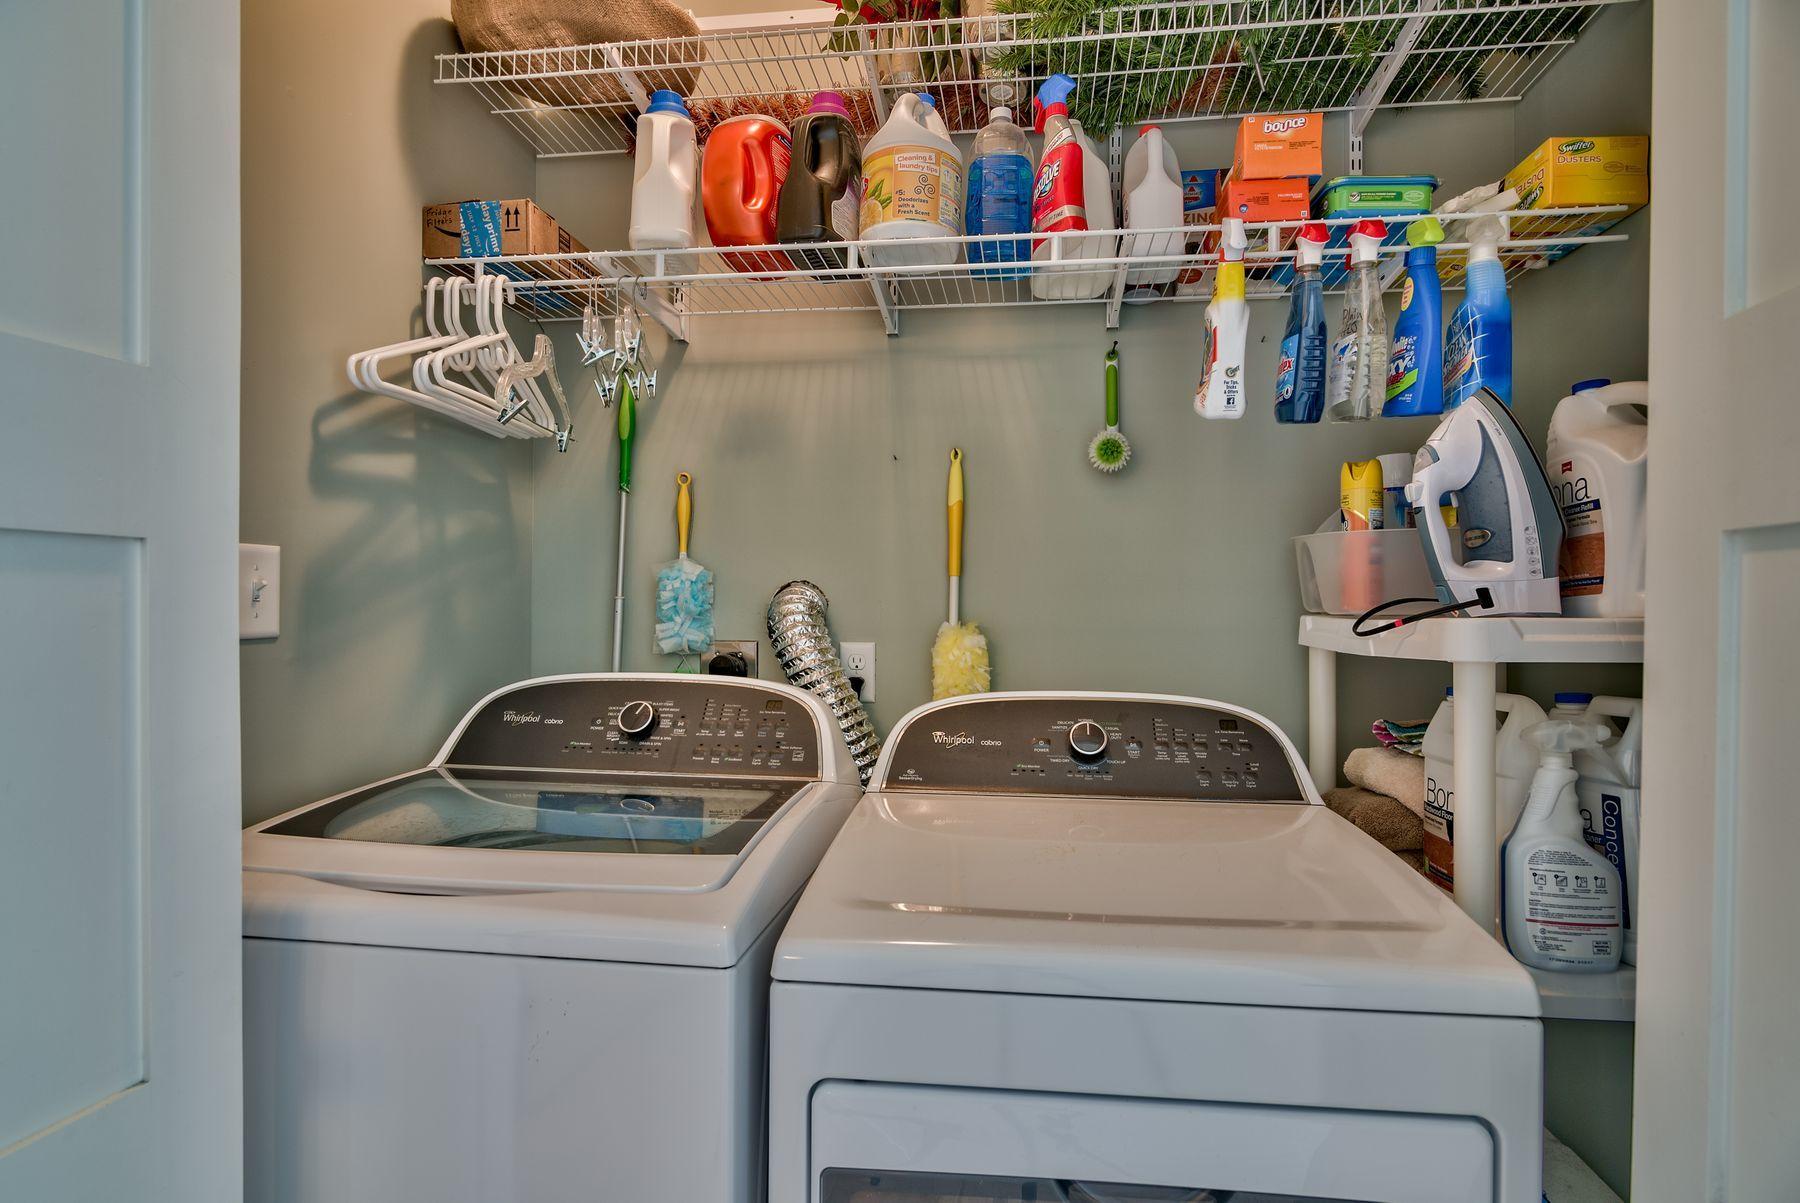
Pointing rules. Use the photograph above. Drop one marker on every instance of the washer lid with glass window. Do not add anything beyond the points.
(647, 817)
(1128, 847)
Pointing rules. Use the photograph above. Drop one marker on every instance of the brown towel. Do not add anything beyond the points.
(1384, 820)
(1390, 772)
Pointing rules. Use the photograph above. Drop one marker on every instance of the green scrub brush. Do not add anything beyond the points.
(1111, 450)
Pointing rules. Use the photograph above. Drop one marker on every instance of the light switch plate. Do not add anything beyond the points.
(259, 591)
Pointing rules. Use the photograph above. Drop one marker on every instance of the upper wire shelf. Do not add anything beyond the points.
(671, 285)
(1177, 60)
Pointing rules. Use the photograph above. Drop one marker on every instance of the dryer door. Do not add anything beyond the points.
(913, 1144)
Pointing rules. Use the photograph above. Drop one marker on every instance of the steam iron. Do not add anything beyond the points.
(1510, 528)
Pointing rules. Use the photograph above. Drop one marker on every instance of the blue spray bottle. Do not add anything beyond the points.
(1300, 376)
(1415, 383)
(1478, 347)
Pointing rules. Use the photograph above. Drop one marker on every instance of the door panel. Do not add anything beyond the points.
(1718, 1072)
(120, 1054)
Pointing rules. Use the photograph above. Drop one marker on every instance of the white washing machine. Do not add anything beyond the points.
(536, 970)
(1097, 947)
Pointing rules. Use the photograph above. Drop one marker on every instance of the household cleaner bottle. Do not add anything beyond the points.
(1562, 905)
(1597, 455)
(1415, 375)
(1300, 372)
(1073, 193)
(912, 188)
(1357, 377)
(1153, 196)
(1609, 790)
(1478, 346)
(663, 180)
(1515, 762)
(1000, 196)
(1221, 391)
(823, 191)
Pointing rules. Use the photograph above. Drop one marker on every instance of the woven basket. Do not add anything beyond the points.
(545, 25)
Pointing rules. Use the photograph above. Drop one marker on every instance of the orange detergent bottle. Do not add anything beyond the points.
(741, 174)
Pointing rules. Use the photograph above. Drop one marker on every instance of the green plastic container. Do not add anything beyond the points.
(1376, 195)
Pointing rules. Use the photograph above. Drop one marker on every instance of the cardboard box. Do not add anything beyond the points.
(1276, 146)
(478, 229)
(1567, 173)
(1266, 200)
(1199, 207)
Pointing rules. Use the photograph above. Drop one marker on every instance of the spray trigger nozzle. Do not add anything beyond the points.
(1365, 239)
(1560, 737)
(1053, 92)
(1311, 242)
(1232, 242)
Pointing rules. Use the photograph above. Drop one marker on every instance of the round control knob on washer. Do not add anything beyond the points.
(637, 719)
(1087, 741)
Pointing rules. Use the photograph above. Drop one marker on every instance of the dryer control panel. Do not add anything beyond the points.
(709, 727)
(1094, 746)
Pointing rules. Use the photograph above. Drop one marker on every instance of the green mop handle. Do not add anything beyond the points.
(1112, 386)
(627, 430)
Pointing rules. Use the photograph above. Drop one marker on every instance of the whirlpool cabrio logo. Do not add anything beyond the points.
(959, 739)
(515, 718)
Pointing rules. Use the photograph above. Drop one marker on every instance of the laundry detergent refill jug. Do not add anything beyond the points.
(1073, 193)
(1514, 763)
(912, 187)
(662, 180)
(1562, 906)
(741, 176)
(1596, 456)
(823, 192)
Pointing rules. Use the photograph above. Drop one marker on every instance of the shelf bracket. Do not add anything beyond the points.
(872, 76)
(881, 288)
(628, 78)
(1115, 295)
(1375, 91)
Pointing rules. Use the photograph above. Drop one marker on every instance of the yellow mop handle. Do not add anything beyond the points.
(955, 502)
(684, 509)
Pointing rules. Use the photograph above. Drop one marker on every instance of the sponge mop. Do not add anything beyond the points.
(959, 656)
(684, 590)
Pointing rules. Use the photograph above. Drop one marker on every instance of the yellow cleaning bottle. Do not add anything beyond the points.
(1221, 391)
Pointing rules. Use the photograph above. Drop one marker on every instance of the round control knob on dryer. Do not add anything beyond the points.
(637, 719)
(1087, 741)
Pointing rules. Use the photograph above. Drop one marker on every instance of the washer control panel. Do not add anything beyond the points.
(1091, 746)
(708, 727)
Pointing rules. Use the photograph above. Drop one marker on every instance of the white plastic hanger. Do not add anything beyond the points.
(364, 370)
(431, 373)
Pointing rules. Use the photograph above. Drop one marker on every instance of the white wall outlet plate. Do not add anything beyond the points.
(859, 661)
(259, 591)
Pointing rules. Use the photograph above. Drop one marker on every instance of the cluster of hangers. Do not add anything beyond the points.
(477, 377)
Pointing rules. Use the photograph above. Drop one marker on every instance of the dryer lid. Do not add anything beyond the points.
(1231, 903)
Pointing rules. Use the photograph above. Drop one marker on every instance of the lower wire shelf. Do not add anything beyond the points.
(1107, 268)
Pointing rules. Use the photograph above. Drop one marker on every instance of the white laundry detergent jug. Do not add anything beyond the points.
(1608, 791)
(1153, 201)
(912, 187)
(1515, 763)
(664, 177)
(1597, 454)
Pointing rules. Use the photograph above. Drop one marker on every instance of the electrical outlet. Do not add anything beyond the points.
(859, 661)
(730, 658)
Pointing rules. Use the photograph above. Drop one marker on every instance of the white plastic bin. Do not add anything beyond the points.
(1347, 572)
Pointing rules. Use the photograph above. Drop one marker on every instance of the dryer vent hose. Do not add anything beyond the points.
(808, 659)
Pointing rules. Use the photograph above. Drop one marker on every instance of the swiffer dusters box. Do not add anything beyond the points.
(1567, 173)
(1273, 146)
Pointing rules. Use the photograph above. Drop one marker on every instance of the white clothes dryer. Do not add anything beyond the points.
(536, 970)
(1112, 948)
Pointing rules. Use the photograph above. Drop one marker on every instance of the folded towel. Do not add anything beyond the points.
(1380, 817)
(1385, 771)
(1408, 737)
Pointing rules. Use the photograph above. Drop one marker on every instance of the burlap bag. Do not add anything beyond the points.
(545, 24)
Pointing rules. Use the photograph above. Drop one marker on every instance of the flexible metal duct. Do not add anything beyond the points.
(808, 659)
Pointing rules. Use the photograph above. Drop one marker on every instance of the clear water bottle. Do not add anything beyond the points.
(1000, 196)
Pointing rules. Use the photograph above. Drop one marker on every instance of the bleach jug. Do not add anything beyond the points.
(1000, 196)
(1153, 201)
(1597, 455)
(1561, 904)
(1073, 194)
(1609, 792)
(662, 182)
(824, 186)
(912, 187)
(741, 176)
(1515, 762)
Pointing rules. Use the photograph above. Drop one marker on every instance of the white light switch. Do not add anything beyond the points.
(259, 591)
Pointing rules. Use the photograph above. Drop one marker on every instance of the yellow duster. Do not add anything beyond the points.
(959, 655)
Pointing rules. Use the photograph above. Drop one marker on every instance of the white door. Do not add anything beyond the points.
(1718, 1052)
(119, 912)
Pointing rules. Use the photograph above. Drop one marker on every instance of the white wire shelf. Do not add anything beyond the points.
(1176, 60)
(672, 285)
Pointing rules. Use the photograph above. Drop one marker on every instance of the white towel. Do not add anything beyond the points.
(1387, 771)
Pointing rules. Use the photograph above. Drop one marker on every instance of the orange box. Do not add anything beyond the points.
(1266, 200)
(1276, 146)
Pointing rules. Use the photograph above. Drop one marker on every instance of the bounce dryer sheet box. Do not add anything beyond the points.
(1277, 146)
(1571, 173)
(1266, 200)
(480, 229)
